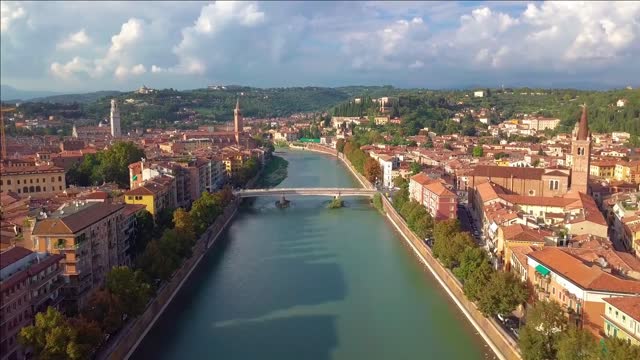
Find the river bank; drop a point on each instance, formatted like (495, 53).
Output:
(501, 343)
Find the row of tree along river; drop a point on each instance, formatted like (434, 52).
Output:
(308, 282)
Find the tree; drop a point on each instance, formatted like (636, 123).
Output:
(372, 170)
(415, 168)
(478, 151)
(115, 161)
(105, 309)
(183, 223)
(618, 349)
(143, 234)
(470, 260)
(577, 344)
(87, 337)
(49, 336)
(129, 288)
(545, 322)
(340, 145)
(205, 210)
(476, 282)
(502, 294)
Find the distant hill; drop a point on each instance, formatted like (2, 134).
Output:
(10, 94)
(77, 98)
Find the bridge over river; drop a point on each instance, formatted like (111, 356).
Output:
(305, 192)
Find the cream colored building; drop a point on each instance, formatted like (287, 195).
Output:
(32, 180)
(622, 318)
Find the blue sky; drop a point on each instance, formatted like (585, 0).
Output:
(82, 46)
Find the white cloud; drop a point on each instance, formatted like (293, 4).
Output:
(157, 69)
(74, 40)
(138, 69)
(68, 70)
(9, 12)
(213, 19)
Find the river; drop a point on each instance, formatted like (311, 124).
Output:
(311, 283)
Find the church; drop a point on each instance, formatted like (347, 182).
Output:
(539, 182)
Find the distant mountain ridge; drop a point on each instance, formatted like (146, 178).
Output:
(9, 93)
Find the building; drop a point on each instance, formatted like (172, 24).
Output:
(581, 155)
(29, 283)
(89, 236)
(114, 116)
(478, 94)
(156, 195)
(622, 319)
(388, 164)
(35, 181)
(580, 285)
(603, 169)
(541, 123)
(237, 122)
(628, 171)
(517, 235)
(440, 202)
(621, 102)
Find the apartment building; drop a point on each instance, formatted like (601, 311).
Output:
(622, 319)
(29, 283)
(34, 181)
(439, 201)
(582, 284)
(89, 235)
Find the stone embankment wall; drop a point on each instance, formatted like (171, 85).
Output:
(500, 342)
(134, 332)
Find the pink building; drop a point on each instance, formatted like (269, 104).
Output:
(439, 201)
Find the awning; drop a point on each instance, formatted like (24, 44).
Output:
(542, 270)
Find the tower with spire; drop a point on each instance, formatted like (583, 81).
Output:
(115, 119)
(237, 122)
(581, 154)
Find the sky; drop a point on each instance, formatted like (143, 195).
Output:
(89, 46)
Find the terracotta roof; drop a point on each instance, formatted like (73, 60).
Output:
(520, 252)
(421, 178)
(437, 188)
(628, 305)
(130, 209)
(587, 277)
(12, 255)
(538, 200)
(74, 222)
(31, 169)
(518, 232)
(556, 173)
(506, 172)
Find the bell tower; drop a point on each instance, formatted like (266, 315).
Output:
(237, 121)
(581, 154)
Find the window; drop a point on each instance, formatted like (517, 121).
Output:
(130, 197)
(38, 188)
(60, 187)
(53, 179)
(59, 178)
(30, 181)
(9, 181)
(44, 180)
(38, 181)
(138, 197)
(32, 189)
(554, 184)
(18, 181)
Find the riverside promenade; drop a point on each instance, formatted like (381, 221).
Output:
(498, 340)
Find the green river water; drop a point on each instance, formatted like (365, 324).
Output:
(311, 283)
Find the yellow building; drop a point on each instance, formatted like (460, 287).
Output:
(156, 195)
(233, 163)
(622, 318)
(629, 171)
(603, 169)
(32, 180)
